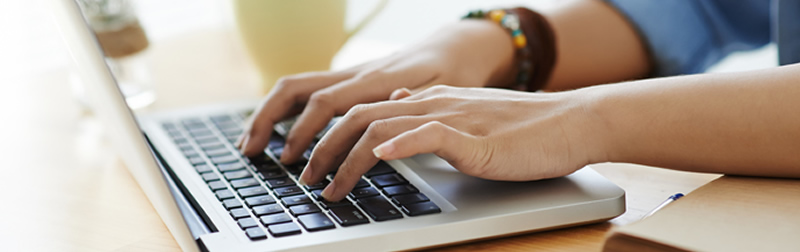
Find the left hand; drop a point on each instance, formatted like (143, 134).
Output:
(489, 133)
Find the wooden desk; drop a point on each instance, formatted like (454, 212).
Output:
(64, 189)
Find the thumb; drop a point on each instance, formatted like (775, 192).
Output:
(433, 137)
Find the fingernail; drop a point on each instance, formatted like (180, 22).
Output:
(384, 149)
(329, 190)
(306, 175)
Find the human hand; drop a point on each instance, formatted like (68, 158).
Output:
(489, 133)
(472, 53)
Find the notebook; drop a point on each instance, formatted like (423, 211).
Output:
(212, 198)
(728, 214)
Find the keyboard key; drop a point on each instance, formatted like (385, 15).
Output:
(261, 160)
(259, 200)
(232, 132)
(277, 152)
(238, 213)
(210, 176)
(190, 153)
(224, 159)
(242, 183)
(267, 209)
(296, 168)
(288, 191)
(317, 194)
(206, 139)
(218, 152)
(275, 219)
(327, 204)
(380, 168)
(224, 194)
(399, 189)
(217, 185)
(279, 182)
(361, 183)
(296, 200)
(379, 208)
(348, 215)
(304, 209)
(284, 229)
(388, 180)
(409, 198)
(246, 223)
(422, 208)
(315, 222)
(220, 118)
(230, 167)
(211, 146)
(322, 184)
(252, 191)
(255, 233)
(231, 175)
(231, 203)
(364, 192)
(203, 168)
(169, 126)
(272, 173)
(185, 147)
(195, 161)
(200, 133)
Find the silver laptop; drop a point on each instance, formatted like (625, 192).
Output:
(212, 198)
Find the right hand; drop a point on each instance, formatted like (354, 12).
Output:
(471, 53)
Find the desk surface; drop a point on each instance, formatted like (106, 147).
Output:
(64, 189)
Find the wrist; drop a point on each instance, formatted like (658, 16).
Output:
(598, 124)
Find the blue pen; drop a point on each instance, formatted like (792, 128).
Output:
(672, 198)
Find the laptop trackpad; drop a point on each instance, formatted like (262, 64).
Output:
(470, 193)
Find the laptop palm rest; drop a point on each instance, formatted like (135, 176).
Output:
(467, 193)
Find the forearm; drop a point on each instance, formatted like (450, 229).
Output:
(595, 45)
(736, 123)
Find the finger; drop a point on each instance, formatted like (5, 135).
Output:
(435, 137)
(360, 159)
(317, 114)
(370, 86)
(334, 147)
(287, 93)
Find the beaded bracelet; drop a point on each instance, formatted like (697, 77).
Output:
(530, 32)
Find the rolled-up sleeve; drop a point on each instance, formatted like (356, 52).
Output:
(686, 36)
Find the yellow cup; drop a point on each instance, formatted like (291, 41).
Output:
(292, 36)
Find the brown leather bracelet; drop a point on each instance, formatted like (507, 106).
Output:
(536, 60)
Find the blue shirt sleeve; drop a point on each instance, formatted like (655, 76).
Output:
(687, 36)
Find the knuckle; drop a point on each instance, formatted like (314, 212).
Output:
(377, 129)
(284, 83)
(371, 75)
(358, 112)
(321, 99)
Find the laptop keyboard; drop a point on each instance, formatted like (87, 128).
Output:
(263, 196)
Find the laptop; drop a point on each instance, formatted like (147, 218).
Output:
(212, 198)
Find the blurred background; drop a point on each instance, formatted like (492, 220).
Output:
(55, 151)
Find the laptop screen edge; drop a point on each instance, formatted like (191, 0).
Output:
(120, 124)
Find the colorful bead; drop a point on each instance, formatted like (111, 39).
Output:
(511, 22)
(497, 15)
(520, 41)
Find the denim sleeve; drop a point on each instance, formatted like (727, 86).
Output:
(687, 36)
